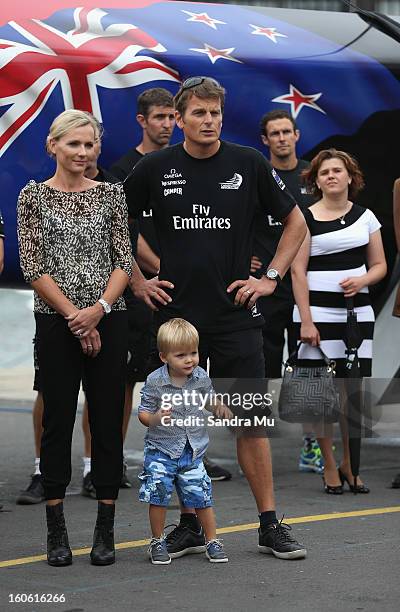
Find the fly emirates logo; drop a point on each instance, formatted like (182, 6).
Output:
(201, 219)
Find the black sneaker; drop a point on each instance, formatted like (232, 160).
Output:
(216, 472)
(276, 540)
(183, 541)
(88, 489)
(34, 494)
(125, 482)
(396, 482)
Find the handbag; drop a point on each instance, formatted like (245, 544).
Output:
(308, 393)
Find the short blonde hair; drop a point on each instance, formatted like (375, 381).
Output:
(177, 334)
(70, 120)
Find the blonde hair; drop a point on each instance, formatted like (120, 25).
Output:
(70, 120)
(177, 334)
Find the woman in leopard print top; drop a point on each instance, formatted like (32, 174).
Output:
(75, 252)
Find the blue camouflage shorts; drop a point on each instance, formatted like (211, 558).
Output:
(161, 474)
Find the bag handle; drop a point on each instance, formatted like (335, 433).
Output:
(295, 355)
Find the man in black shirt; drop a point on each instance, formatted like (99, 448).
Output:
(280, 134)
(204, 193)
(156, 116)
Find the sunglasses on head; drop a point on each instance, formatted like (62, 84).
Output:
(195, 81)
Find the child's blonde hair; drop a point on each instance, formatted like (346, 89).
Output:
(177, 334)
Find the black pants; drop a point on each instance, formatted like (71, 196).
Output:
(62, 365)
(278, 315)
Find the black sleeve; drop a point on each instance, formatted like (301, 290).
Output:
(273, 194)
(137, 189)
(119, 171)
(123, 166)
(2, 234)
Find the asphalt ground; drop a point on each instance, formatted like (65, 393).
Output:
(353, 542)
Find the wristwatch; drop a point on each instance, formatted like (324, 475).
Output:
(273, 274)
(105, 306)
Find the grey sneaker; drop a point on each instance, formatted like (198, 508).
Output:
(215, 552)
(158, 553)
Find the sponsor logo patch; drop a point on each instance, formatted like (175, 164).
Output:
(233, 183)
(278, 179)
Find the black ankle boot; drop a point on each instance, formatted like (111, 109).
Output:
(58, 550)
(103, 551)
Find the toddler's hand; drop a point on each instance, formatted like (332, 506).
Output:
(165, 416)
(222, 412)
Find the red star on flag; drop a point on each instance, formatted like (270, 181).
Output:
(298, 100)
(216, 54)
(270, 33)
(204, 18)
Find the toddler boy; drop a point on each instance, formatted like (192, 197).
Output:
(171, 406)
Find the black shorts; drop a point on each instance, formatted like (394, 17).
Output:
(278, 315)
(237, 368)
(140, 318)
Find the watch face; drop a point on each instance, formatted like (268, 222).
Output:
(106, 307)
(272, 274)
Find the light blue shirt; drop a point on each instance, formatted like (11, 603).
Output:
(185, 402)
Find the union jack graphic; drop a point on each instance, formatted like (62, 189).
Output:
(88, 56)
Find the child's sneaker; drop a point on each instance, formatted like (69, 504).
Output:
(158, 553)
(311, 459)
(215, 552)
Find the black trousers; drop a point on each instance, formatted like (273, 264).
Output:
(62, 365)
(278, 315)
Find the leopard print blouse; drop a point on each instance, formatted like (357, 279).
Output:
(78, 238)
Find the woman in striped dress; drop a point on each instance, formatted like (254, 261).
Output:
(341, 256)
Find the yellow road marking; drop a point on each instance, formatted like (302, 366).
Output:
(313, 518)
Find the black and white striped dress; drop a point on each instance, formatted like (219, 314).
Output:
(338, 251)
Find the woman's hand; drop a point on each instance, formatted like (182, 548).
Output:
(84, 321)
(352, 285)
(310, 334)
(91, 344)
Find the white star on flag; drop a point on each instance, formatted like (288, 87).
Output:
(204, 18)
(216, 54)
(298, 100)
(270, 33)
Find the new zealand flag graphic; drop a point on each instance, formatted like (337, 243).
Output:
(100, 59)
